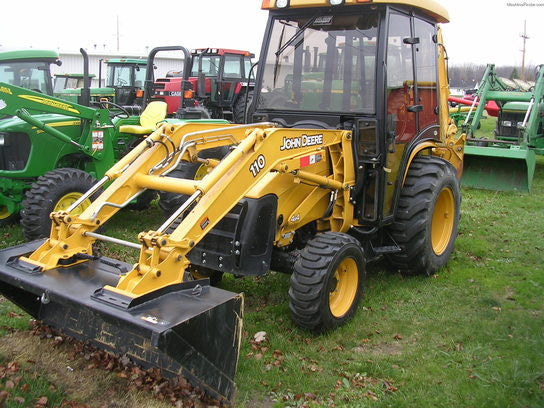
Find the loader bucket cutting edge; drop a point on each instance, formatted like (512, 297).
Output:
(501, 169)
(192, 329)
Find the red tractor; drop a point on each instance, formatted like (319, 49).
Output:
(220, 81)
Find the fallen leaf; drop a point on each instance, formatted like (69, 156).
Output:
(19, 400)
(397, 337)
(3, 396)
(10, 384)
(42, 402)
(259, 337)
(371, 395)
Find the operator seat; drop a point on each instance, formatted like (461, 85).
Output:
(152, 114)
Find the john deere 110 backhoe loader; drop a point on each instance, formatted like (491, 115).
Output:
(351, 156)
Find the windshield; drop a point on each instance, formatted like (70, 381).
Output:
(139, 77)
(119, 75)
(60, 84)
(321, 63)
(29, 75)
(210, 65)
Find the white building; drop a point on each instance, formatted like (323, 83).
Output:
(72, 63)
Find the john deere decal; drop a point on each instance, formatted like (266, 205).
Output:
(49, 102)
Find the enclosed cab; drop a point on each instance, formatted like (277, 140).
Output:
(127, 77)
(28, 69)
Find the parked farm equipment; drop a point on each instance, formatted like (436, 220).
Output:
(49, 158)
(219, 78)
(507, 160)
(347, 161)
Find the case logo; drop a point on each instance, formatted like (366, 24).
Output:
(301, 141)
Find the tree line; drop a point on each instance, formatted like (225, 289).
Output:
(467, 76)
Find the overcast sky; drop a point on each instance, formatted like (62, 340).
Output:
(480, 31)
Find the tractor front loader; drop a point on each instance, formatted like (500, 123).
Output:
(351, 157)
(507, 160)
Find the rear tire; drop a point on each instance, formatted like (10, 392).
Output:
(239, 108)
(55, 190)
(327, 282)
(427, 217)
(170, 202)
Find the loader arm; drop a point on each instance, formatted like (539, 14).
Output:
(261, 149)
(15, 98)
(16, 101)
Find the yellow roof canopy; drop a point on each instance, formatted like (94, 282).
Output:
(428, 7)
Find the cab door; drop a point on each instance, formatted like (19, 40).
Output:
(229, 77)
(400, 98)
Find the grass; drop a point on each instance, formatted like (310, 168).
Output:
(471, 336)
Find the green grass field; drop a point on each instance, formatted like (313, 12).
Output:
(470, 336)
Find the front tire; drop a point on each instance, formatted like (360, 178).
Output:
(54, 191)
(427, 217)
(327, 282)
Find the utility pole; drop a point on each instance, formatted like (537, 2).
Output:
(118, 35)
(525, 38)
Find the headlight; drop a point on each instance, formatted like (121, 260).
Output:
(282, 3)
(336, 2)
(2, 139)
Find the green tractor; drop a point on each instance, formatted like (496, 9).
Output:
(49, 157)
(126, 78)
(506, 161)
(124, 83)
(68, 87)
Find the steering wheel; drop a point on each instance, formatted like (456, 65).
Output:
(121, 82)
(104, 105)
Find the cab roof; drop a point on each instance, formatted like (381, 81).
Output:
(139, 61)
(29, 54)
(220, 51)
(429, 7)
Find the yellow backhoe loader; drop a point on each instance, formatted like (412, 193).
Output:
(349, 156)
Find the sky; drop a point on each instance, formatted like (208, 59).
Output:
(480, 31)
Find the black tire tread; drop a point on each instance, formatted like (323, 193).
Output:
(414, 209)
(238, 110)
(39, 199)
(309, 277)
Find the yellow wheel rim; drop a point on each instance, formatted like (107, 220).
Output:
(343, 293)
(68, 199)
(4, 212)
(443, 218)
(201, 172)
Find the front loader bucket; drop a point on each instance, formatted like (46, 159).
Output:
(190, 329)
(495, 168)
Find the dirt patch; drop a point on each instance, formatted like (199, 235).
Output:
(71, 374)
